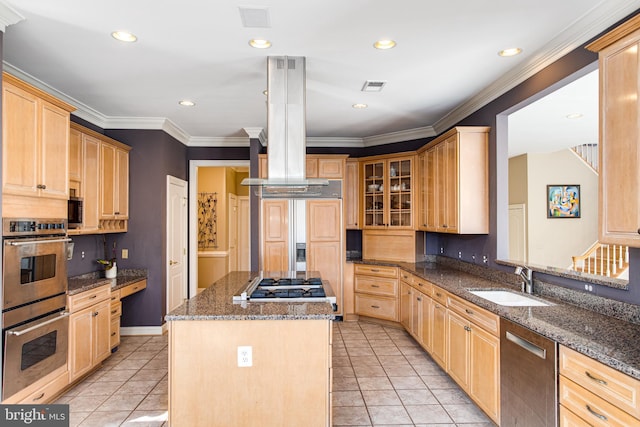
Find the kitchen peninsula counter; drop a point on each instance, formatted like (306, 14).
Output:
(602, 337)
(244, 363)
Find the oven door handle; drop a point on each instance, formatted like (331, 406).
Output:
(35, 242)
(39, 325)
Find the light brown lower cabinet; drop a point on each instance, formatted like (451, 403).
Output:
(291, 364)
(89, 330)
(591, 393)
(376, 292)
(439, 328)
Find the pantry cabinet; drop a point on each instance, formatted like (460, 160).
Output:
(351, 195)
(114, 174)
(89, 330)
(455, 182)
(619, 142)
(35, 151)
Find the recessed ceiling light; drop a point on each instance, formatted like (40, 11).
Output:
(512, 51)
(359, 106)
(187, 103)
(260, 43)
(124, 36)
(574, 116)
(384, 44)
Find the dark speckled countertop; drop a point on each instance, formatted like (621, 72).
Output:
(92, 280)
(614, 342)
(216, 303)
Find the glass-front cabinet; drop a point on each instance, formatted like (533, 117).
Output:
(388, 192)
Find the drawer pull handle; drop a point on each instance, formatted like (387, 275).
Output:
(468, 311)
(419, 299)
(93, 296)
(466, 328)
(598, 380)
(438, 294)
(374, 270)
(595, 414)
(113, 334)
(375, 286)
(375, 306)
(420, 284)
(39, 397)
(114, 311)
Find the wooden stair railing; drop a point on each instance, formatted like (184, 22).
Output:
(603, 260)
(588, 153)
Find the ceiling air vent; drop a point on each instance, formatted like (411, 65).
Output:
(373, 85)
(255, 17)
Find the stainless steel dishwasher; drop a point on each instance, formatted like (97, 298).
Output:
(528, 386)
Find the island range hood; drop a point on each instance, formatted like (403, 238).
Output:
(286, 135)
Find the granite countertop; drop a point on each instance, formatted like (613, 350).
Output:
(216, 303)
(613, 342)
(85, 282)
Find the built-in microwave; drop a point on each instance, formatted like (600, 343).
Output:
(74, 219)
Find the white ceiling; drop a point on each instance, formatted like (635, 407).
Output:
(444, 67)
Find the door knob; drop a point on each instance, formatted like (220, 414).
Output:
(172, 262)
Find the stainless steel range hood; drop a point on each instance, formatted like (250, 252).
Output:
(286, 134)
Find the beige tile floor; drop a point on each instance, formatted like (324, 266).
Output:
(381, 377)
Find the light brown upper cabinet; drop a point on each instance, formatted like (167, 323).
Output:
(351, 196)
(619, 151)
(275, 232)
(104, 181)
(387, 188)
(35, 151)
(317, 166)
(454, 180)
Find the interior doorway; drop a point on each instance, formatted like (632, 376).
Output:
(176, 255)
(212, 246)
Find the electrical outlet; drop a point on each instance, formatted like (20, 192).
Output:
(441, 250)
(125, 253)
(82, 254)
(245, 356)
(485, 259)
(460, 254)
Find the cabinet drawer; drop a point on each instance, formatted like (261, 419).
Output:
(88, 298)
(423, 286)
(439, 295)
(591, 408)
(378, 307)
(407, 277)
(116, 310)
(486, 320)
(615, 387)
(133, 288)
(114, 333)
(569, 419)
(377, 270)
(377, 286)
(115, 295)
(43, 390)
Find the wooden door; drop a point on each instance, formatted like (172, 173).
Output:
(244, 234)
(484, 371)
(80, 344)
(107, 181)
(101, 318)
(416, 314)
(122, 184)
(399, 189)
(458, 349)
(331, 168)
(54, 151)
(374, 189)
(91, 183)
(351, 195)
(275, 235)
(176, 250)
(439, 336)
(324, 242)
(619, 151)
(450, 208)
(20, 145)
(431, 193)
(426, 319)
(406, 306)
(76, 163)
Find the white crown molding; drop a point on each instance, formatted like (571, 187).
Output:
(225, 141)
(584, 28)
(253, 132)
(314, 141)
(400, 136)
(8, 16)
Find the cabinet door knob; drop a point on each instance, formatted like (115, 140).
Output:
(95, 314)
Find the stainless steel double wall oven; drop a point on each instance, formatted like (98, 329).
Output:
(34, 299)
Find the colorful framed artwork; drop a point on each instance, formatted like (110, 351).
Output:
(563, 201)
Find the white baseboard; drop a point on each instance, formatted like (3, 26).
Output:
(142, 330)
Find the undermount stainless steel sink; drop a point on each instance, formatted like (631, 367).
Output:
(508, 298)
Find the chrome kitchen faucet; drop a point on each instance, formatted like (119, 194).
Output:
(527, 279)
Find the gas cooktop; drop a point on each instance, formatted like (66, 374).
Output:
(288, 287)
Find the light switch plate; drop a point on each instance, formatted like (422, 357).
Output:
(125, 253)
(245, 357)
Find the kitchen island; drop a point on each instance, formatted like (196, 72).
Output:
(249, 363)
